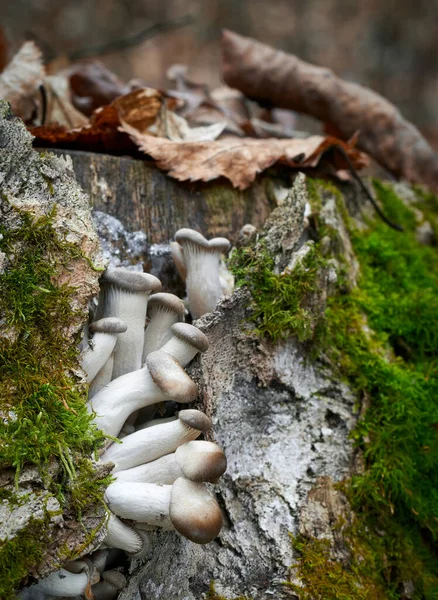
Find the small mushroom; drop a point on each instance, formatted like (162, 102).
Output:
(125, 294)
(102, 379)
(61, 583)
(194, 512)
(186, 506)
(109, 588)
(151, 443)
(160, 379)
(202, 258)
(119, 535)
(196, 460)
(185, 343)
(163, 311)
(102, 344)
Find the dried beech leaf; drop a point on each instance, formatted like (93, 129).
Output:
(239, 160)
(59, 107)
(285, 81)
(93, 85)
(21, 79)
(140, 108)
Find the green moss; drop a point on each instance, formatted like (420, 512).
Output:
(212, 595)
(280, 299)
(19, 555)
(391, 363)
(381, 337)
(45, 407)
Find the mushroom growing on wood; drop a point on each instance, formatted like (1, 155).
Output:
(110, 586)
(151, 443)
(202, 259)
(195, 460)
(124, 294)
(185, 506)
(163, 311)
(97, 353)
(61, 583)
(119, 535)
(185, 343)
(161, 378)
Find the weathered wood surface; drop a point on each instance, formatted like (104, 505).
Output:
(143, 197)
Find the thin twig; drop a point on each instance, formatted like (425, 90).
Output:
(132, 40)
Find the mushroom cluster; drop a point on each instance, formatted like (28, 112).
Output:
(161, 470)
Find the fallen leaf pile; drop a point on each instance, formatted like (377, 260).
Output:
(193, 133)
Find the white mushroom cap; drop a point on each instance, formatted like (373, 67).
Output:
(104, 339)
(201, 258)
(151, 443)
(163, 311)
(194, 512)
(125, 295)
(185, 343)
(145, 502)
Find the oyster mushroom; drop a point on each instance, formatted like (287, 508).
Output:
(124, 294)
(95, 356)
(202, 259)
(185, 506)
(151, 443)
(195, 460)
(185, 343)
(161, 378)
(163, 311)
(110, 586)
(119, 535)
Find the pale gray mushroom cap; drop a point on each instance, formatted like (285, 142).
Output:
(191, 335)
(194, 512)
(178, 258)
(131, 281)
(201, 461)
(109, 325)
(170, 377)
(115, 578)
(186, 237)
(109, 588)
(165, 302)
(195, 419)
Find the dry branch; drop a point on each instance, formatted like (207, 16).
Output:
(265, 74)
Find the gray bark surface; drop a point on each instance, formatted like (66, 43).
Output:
(283, 422)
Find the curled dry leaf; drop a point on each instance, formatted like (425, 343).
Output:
(21, 79)
(237, 159)
(285, 81)
(93, 85)
(59, 107)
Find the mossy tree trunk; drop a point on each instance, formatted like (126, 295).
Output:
(298, 353)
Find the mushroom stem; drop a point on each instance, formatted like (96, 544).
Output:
(163, 311)
(145, 502)
(122, 536)
(102, 379)
(151, 443)
(104, 339)
(125, 295)
(161, 378)
(194, 460)
(62, 583)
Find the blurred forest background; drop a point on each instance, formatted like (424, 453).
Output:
(390, 45)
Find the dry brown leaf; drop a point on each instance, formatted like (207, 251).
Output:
(21, 79)
(239, 160)
(59, 107)
(285, 81)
